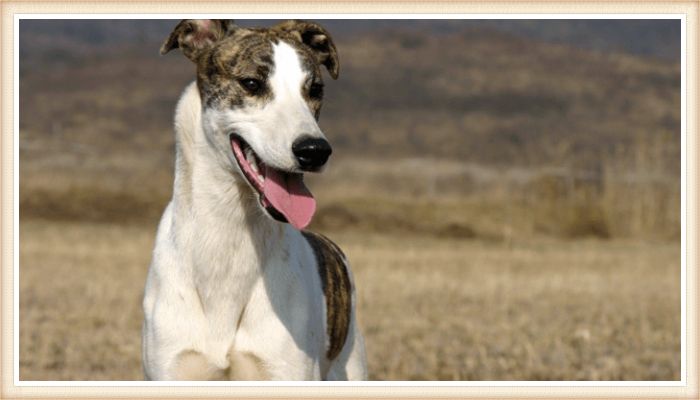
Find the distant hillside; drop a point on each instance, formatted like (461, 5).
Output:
(470, 93)
(653, 38)
(485, 132)
(493, 98)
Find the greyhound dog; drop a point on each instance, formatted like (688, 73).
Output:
(237, 290)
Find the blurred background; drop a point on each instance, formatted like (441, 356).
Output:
(508, 192)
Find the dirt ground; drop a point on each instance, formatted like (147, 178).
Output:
(431, 308)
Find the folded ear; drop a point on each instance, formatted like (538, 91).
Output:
(194, 35)
(317, 39)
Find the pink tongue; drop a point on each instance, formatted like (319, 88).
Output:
(288, 194)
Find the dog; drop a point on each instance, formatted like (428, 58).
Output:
(236, 289)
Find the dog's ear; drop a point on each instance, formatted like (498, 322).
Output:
(194, 35)
(317, 39)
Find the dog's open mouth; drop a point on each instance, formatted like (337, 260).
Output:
(282, 194)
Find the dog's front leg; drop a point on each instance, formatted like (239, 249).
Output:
(246, 366)
(191, 365)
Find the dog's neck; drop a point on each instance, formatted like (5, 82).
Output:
(213, 201)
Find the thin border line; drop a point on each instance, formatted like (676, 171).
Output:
(547, 16)
(684, 202)
(15, 188)
(373, 16)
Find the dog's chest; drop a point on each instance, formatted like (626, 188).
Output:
(213, 266)
(283, 323)
(247, 283)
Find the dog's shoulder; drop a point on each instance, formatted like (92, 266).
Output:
(337, 288)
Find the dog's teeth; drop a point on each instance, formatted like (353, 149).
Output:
(254, 163)
(250, 157)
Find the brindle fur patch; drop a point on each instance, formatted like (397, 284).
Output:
(230, 54)
(248, 53)
(240, 56)
(335, 281)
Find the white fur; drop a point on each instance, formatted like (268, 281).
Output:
(225, 277)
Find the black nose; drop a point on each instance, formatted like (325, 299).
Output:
(311, 153)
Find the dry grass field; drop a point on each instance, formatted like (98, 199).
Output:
(431, 309)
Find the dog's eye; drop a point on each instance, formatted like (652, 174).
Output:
(253, 86)
(316, 91)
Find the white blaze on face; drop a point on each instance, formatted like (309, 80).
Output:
(286, 83)
(288, 76)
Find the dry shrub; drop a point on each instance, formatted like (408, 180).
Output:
(586, 220)
(566, 208)
(634, 193)
(92, 203)
(642, 190)
(390, 216)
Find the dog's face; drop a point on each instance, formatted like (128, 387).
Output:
(261, 92)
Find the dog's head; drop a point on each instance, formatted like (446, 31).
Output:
(261, 92)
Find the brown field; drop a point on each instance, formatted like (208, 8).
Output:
(431, 309)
